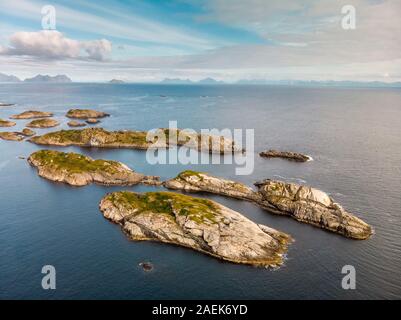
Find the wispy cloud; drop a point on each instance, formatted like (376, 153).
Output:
(117, 25)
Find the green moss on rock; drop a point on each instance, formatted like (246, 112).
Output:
(196, 209)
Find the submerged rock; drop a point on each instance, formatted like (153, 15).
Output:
(43, 123)
(146, 266)
(11, 136)
(85, 114)
(101, 138)
(302, 203)
(299, 157)
(31, 114)
(6, 123)
(74, 123)
(4, 104)
(199, 224)
(79, 170)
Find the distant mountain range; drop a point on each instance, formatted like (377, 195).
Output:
(312, 83)
(39, 78)
(4, 78)
(7, 78)
(45, 78)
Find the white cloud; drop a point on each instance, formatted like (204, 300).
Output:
(48, 44)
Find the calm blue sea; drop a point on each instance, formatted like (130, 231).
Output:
(354, 136)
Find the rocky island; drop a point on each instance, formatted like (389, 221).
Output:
(294, 156)
(11, 136)
(85, 114)
(79, 170)
(92, 121)
(75, 124)
(28, 132)
(6, 123)
(199, 224)
(43, 123)
(305, 204)
(31, 114)
(101, 138)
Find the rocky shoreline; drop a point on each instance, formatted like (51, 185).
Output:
(200, 224)
(304, 204)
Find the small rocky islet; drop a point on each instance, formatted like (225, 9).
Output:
(32, 114)
(292, 156)
(6, 123)
(43, 123)
(12, 136)
(303, 203)
(76, 124)
(79, 170)
(200, 224)
(86, 114)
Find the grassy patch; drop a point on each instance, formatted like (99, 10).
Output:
(73, 162)
(190, 173)
(198, 210)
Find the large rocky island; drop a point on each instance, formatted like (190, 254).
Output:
(303, 203)
(199, 224)
(101, 138)
(79, 170)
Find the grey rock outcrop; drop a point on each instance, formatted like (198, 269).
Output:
(199, 224)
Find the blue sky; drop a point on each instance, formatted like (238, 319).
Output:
(224, 39)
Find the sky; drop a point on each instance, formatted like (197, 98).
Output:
(229, 40)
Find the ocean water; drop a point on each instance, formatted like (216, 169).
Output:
(353, 135)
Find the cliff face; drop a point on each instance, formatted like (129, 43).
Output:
(79, 170)
(200, 224)
(98, 137)
(302, 203)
